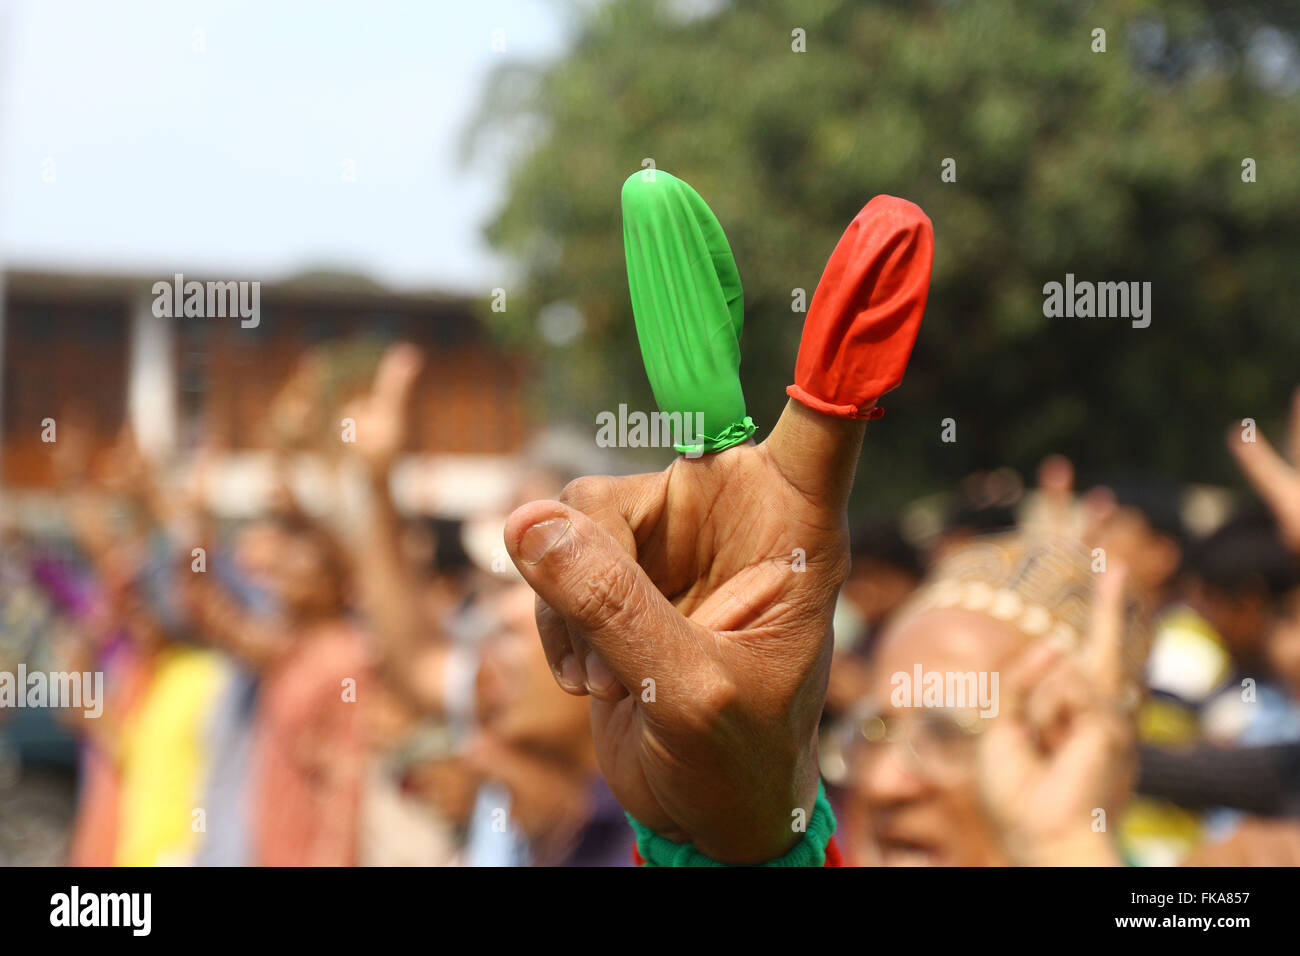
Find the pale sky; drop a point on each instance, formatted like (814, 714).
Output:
(217, 137)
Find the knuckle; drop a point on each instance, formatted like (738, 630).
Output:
(582, 492)
(719, 698)
(608, 597)
(715, 705)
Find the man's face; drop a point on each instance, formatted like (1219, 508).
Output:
(914, 800)
(304, 580)
(518, 696)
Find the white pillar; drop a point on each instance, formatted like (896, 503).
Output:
(151, 380)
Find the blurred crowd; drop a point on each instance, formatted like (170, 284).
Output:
(1208, 676)
(305, 688)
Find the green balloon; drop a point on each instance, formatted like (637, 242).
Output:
(689, 310)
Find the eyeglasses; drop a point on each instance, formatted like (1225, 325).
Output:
(940, 742)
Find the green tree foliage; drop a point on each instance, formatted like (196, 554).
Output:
(1117, 166)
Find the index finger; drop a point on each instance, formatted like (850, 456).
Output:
(620, 505)
(1265, 469)
(1104, 654)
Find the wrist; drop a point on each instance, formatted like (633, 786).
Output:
(800, 840)
(753, 839)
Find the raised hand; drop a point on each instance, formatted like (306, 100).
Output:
(1276, 480)
(1064, 745)
(382, 417)
(694, 606)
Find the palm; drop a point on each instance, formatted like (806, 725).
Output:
(723, 533)
(1046, 796)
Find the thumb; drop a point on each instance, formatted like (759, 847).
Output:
(587, 578)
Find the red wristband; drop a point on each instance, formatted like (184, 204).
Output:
(867, 309)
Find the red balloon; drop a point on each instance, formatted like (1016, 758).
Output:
(866, 312)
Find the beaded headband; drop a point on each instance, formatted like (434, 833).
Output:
(1040, 585)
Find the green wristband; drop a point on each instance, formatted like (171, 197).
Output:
(810, 851)
(689, 310)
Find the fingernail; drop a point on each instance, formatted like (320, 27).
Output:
(538, 540)
(570, 674)
(600, 678)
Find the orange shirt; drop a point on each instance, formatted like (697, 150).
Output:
(310, 753)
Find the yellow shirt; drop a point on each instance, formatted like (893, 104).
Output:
(165, 759)
(1189, 661)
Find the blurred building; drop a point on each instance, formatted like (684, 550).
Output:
(90, 346)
